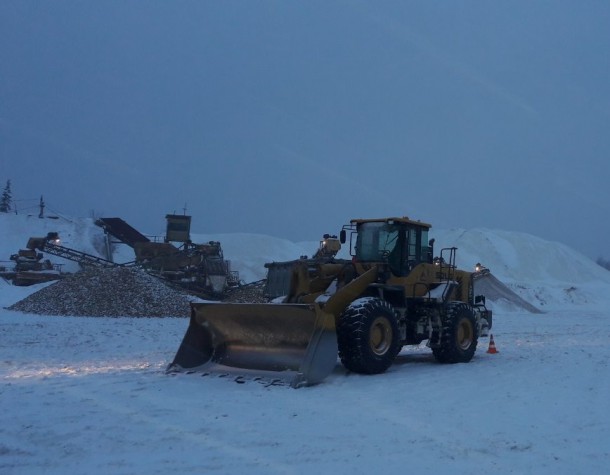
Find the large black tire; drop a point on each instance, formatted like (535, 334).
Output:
(459, 338)
(368, 336)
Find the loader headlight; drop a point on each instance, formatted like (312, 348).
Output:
(480, 268)
(53, 238)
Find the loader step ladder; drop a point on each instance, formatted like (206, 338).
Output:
(447, 265)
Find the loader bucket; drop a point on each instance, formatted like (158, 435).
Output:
(298, 339)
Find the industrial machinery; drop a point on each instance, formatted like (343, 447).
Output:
(480, 270)
(51, 244)
(198, 268)
(279, 274)
(31, 268)
(393, 293)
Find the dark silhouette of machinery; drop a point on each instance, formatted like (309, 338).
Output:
(198, 268)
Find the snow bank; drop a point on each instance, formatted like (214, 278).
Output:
(549, 275)
(520, 257)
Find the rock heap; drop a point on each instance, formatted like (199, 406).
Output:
(114, 292)
(248, 293)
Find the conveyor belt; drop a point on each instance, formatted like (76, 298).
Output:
(122, 231)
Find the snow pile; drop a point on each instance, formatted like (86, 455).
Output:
(115, 292)
(520, 257)
(549, 275)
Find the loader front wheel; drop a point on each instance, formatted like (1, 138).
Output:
(458, 339)
(368, 337)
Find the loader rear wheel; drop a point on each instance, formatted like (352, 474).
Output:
(368, 337)
(458, 339)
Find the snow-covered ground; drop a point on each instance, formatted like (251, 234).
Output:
(84, 395)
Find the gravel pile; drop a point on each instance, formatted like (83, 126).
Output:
(249, 293)
(111, 292)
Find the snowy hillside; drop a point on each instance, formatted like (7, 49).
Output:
(520, 257)
(548, 274)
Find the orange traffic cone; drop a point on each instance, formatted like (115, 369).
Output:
(492, 346)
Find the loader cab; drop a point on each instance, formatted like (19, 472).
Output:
(401, 242)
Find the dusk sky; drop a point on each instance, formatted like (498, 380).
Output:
(289, 118)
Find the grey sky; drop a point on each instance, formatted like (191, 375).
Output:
(290, 118)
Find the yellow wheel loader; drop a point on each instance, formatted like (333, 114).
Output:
(393, 292)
